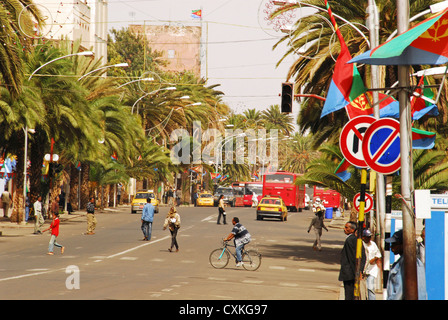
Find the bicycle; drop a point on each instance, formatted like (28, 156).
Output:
(219, 258)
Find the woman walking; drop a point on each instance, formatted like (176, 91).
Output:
(221, 210)
(172, 221)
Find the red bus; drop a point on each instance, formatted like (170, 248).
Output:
(244, 192)
(330, 198)
(282, 183)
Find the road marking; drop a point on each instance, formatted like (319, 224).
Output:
(208, 218)
(285, 284)
(217, 279)
(30, 275)
(143, 245)
(253, 281)
(277, 268)
(307, 270)
(129, 258)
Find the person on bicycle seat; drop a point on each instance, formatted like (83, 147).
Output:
(241, 237)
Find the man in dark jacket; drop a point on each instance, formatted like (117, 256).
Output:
(347, 274)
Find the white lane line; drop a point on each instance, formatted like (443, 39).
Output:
(142, 245)
(30, 275)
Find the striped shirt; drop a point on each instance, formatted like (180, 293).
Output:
(242, 236)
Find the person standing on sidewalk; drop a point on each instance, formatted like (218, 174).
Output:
(172, 221)
(147, 219)
(38, 216)
(318, 224)
(91, 219)
(347, 273)
(373, 259)
(54, 234)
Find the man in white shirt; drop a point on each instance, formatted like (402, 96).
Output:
(373, 256)
(38, 217)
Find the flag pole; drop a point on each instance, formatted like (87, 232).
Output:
(409, 249)
(359, 230)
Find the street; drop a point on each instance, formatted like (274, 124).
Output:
(116, 264)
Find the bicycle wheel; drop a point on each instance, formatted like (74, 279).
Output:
(251, 260)
(219, 258)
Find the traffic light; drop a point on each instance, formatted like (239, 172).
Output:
(287, 97)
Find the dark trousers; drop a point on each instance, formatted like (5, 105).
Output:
(173, 238)
(223, 214)
(349, 289)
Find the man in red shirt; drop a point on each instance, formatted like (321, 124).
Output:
(54, 234)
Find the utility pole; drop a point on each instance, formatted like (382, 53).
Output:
(409, 248)
(373, 25)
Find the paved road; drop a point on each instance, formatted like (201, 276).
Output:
(115, 264)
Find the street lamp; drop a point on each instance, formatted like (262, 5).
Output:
(144, 79)
(147, 94)
(118, 65)
(83, 53)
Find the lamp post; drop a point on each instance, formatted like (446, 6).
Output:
(118, 65)
(144, 79)
(147, 94)
(84, 53)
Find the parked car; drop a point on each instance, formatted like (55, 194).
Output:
(205, 199)
(140, 200)
(228, 193)
(272, 207)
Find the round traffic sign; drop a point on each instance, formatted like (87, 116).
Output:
(381, 146)
(368, 202)
(351, 138)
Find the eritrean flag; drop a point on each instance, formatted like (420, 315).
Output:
(363, 106)
(420, 102)
(342, 170)
(425, 43)
(422, 139)
(196, 14)
(346, 84)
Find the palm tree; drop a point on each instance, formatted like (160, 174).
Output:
(273, 118)
(299, 153)
(313, 39)
(14, 39)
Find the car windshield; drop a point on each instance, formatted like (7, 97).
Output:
(270, 201)
(225, 191)
(206, 195)
(144, 195)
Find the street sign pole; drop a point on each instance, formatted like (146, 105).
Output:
(409, 248)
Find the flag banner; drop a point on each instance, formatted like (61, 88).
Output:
(196, 14)
(423, 139)
(363, 106)
(346, 84)
(420, 106)
(342, 172)
(425, 43)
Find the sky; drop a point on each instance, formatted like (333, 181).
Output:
(239, 53)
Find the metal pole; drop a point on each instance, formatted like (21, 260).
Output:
(359, 246)
(24, 175)
(373, 24)
(409, 249)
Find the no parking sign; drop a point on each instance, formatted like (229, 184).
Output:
(381, 146)
(351, 140)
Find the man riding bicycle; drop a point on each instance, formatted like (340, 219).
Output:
(241, 237)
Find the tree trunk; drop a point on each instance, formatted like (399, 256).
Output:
(74, 185)
(85, 191)
(18, 212)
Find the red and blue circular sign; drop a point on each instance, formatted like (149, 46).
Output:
(381, 146)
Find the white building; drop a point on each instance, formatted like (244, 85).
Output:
(84, 20)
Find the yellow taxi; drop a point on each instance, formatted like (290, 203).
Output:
(205, 199)
(140, 200)
(272, 207)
